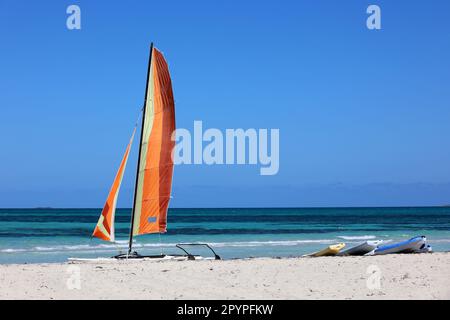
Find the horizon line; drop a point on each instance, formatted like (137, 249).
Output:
(279, 207)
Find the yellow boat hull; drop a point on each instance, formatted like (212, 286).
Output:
(328, 251)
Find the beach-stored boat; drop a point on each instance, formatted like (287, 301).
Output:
(361, 249)
(152, 189)
(328, 251)
(413, 245)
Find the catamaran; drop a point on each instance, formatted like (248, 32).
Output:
(152, 189)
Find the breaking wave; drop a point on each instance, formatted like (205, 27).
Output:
(365, 237)
(124, 244)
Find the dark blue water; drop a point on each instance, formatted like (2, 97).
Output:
(50, 235)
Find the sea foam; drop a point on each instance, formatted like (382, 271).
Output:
(366, 237)
(124, 245)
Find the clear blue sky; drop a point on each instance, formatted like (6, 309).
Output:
(364, 116)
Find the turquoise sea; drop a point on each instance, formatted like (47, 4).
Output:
(53, 235)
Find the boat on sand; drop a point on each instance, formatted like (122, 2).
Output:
(361, 249)
(328, 251)
(413, 245)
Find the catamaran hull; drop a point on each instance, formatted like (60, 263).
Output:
(134, 256)
(141, 259)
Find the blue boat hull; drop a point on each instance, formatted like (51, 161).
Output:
(413, 245)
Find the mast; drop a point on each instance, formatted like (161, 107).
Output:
(130, 243)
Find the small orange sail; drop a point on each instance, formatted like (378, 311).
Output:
(105, 225)
(154, 180)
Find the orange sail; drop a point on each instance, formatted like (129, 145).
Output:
(154, 179)
(105, 225)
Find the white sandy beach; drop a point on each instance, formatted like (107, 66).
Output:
(413, 276)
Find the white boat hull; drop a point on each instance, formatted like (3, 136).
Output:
(131, 260)
(361, 249)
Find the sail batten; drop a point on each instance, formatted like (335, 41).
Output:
(105, 226)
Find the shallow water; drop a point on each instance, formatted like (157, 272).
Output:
(53, 235)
